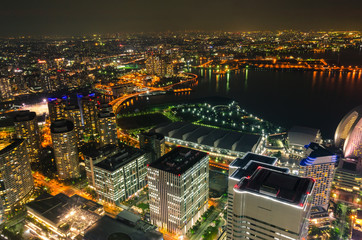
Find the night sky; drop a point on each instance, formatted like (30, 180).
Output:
(68, 17)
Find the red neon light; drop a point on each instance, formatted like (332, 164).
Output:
(301, 204)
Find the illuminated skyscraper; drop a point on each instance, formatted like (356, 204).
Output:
(153, 144)
(26, 127)
(56, 109)
(72, 113)
(15, 174)
(107, 128)
(319, 165)
(240, 168)
(89, 110)
(178, 189)
(65, 149)
(270, 204)
(121, 175)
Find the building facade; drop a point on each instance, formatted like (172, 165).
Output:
(153, 144)
(121, 175)
(320, 166)
(93, 155)
(178, 189)
(89, 111)
(56, 109)
(26, 127)
(270, 204)
(15, 174)
(72, 113)
(107, 128)
(65, 149)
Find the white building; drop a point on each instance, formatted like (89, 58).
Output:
(120, 176)
(267, 202)
(178, 189)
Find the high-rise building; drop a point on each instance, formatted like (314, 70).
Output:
(270, 204)
(178, 189)
(241, 167)
(15, 174)
(65, 149)
(56, 109)
(93, 155)
(153, 144)
(26, 127)
(121, 175)
(72, 113)
(158, 64)
(348, 179)
(89, 111)
(5, 89)
(319, 165)
(107, 128)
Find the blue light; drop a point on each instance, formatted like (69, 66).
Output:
(52, 99)
(64, 97)
(91, 94)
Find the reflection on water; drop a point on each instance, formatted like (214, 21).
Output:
(287, 98)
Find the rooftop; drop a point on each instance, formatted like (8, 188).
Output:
(281, 186)
(316, 153)
(8, 145)
(90, 150)
(179, 160)
(157, 136)
(22, 116)
(125, 155)
(108, 228)
(249, 169)
(61, 126)
(302, 135)
(241, 162)
(212, 137)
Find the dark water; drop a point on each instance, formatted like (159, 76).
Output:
(312, 98)
(286, 98)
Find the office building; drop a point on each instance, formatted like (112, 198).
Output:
(72, 113)
(93, 155)
(178, 189)
(270, 204)
(65, 149)
(15, 174)
(348, 134)
(153, 144)
(121, 175)
(319, 165)
(26, 127)
(241, 167)
(107, 128)
(56, 109)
